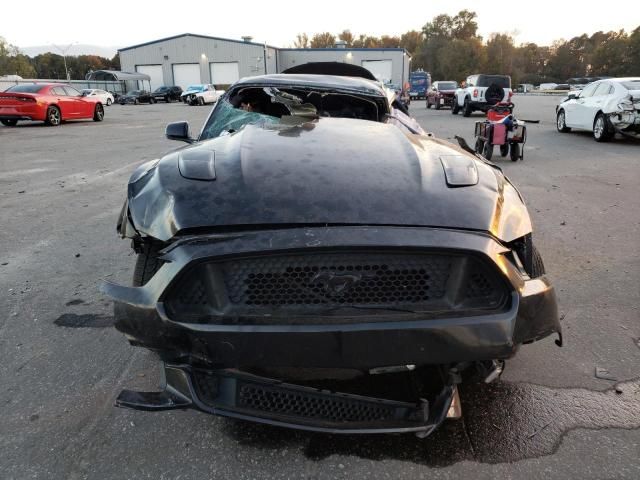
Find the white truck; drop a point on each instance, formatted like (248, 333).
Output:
(480, 92)
(201, 94)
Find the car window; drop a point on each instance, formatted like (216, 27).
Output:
(58, 91)
(589, 90)
(25, 88)
(603, 89)
(446, 86)
(71, 92)
(502, 81)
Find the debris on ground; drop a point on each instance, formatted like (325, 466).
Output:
(604, 374)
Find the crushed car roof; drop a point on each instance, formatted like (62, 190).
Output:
(320, 81)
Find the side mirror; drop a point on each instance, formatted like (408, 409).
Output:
(178, 131)
(574, 95)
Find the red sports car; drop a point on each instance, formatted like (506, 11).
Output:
(52, 103)
(441, 94)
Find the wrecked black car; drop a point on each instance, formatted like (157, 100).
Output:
(314, 260)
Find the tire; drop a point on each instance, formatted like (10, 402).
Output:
(135, 101)
(515, 152)
(601, 130)
(200, 101)
(504, 149)
(53, 117)
(487, 151)
(466, 108)
(561, 123)
(479, 146)
(454, 106)
(147, 263)
(537, 265)
(98, 113)
(109, 102)
(9, 123)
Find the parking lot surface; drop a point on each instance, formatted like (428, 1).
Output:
(62, 363)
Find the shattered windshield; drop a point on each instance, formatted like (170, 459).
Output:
(195, 88)
(228, 119)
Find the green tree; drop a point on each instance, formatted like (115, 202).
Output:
(12, 62)
(411, 41)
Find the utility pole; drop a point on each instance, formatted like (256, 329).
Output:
(64, 57)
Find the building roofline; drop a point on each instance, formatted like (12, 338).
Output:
(347, 49)
(194, 35)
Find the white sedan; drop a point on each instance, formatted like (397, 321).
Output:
(103, 95)
(603, 108)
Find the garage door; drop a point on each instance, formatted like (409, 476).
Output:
(381, 69)
(185, 74)
(155, 72)
(224, 73)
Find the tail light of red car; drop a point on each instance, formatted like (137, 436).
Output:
(26, 99)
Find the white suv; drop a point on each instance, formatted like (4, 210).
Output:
(481, 92)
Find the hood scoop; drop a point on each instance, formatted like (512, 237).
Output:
(197, 164)
(459, 170)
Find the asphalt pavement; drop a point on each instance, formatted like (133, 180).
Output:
(62, 363)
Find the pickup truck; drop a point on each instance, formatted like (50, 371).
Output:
(201, 94)
(480, 92)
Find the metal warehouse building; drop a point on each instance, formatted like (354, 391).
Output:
(191, 59)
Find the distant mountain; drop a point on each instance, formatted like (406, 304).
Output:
(79, 49)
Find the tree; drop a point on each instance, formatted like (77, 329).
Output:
(302, 41)
(323, 40)
(500, 52)
(411, 41)
(347, 37)
(12, 62)
(633, 53)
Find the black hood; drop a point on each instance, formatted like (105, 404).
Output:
(329, 171)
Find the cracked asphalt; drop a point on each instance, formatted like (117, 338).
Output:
(62, 364)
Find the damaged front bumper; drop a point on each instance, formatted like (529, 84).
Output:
(223, 331)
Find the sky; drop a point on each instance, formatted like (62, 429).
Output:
(278, 23)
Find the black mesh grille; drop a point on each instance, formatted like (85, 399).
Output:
(308, 405)
(336, 279)
(194, 295)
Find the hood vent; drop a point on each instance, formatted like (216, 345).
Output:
(459, 170)
(197, 164)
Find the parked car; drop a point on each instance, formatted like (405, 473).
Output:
(313, 246)
(167, 94)
(135, 97)
(52, 103)
(201, 94)
(603, 108)
(441, 94)
(481, 92)
(105, 97)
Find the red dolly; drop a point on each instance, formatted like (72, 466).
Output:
(503, 129)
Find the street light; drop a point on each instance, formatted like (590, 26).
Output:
(64, 56)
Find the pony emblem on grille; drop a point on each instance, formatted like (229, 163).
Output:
(336, 283)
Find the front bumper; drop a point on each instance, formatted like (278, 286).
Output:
(245, 396)
(358, 341)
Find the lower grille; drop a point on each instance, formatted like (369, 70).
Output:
(263, 397)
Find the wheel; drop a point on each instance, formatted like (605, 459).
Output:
(135, 101)
(561, 123)
(9, 123)
(479, 146)
(466, 108)
(53, 117)
(200, 101)
(504, 149)
(601, 129)
(109, 102)
(166, 99)
(147, 263)
(515, 152)
(537, 265)
(454, 106)
(487, 151)
(98, 113)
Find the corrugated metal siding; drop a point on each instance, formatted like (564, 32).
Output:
(190, 49)
(250, 57)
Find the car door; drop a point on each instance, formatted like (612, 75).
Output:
(579, 113)
(595, 103)
(64, 102)
(78, 107)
